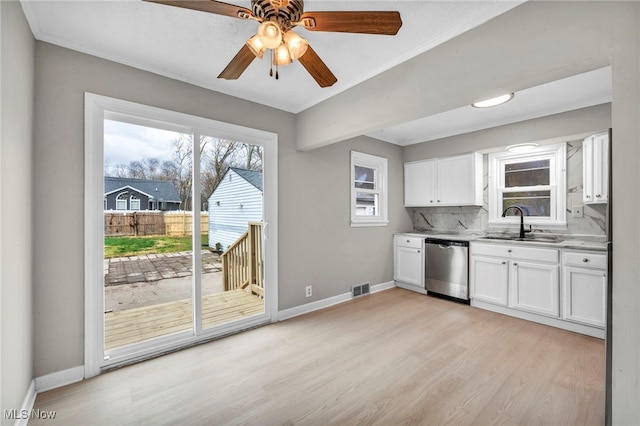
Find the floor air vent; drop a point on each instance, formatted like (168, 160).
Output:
(360, 290)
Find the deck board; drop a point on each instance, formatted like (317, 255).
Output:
(139, 324)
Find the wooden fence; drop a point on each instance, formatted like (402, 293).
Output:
(139, 223)
(178, 224)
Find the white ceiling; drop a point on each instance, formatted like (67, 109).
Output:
(571, 93)
(195, 47)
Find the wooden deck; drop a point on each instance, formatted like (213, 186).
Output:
(135, 325)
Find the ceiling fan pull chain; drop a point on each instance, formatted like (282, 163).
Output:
(277, 75)
(271, 64)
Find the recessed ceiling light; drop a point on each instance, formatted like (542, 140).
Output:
(493, 101)
(522, 147)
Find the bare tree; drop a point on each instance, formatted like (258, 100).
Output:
(253, 156)
(216, 157)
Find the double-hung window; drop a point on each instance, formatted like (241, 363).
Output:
(534, 181)
(121, 201)
(368, 190)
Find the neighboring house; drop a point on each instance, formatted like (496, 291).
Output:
(236, 201)
(140, 194)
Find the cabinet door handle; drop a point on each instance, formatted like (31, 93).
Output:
(588, 196)
(504, 263)
(508, 250)
(431, 201)
(598, 195)
(585, 260)
(418, 251)
(408, 241)
(515, 264)
(438, 200)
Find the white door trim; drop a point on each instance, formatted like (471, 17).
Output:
(97, 108)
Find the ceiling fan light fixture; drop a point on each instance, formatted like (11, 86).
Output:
(498, 100)
(270, 34)
(282, 56)
(256, 46)
(297, 45)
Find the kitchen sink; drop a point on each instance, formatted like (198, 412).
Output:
(528, 239)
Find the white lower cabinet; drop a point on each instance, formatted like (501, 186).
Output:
(516, 277)
(489, 279)
(533, 283)
(535, 287)
(584, 288)
(409, 261)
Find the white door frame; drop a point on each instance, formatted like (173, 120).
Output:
(97, 108)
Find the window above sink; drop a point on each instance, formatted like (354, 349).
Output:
(534, 181)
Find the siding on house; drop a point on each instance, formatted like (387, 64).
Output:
(153, 194)
(235, 202)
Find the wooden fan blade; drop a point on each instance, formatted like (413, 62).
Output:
(211, 6)
(385, 23)
(318, 70)
(238, 64)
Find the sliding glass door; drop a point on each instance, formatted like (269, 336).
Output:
(183, 254)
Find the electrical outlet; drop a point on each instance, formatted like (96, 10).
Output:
(577, 211)
(308, 291)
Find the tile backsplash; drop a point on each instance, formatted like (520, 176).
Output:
(475, 219)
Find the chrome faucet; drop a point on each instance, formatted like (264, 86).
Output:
(522, 231)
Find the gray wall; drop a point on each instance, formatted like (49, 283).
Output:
(313, 196)
(535, 43)
(319, 247)
(16, 118)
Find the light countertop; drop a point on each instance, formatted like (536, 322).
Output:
(578, 242)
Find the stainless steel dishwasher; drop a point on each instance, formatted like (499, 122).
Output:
(446, 268)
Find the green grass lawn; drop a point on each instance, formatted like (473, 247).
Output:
(132, 246)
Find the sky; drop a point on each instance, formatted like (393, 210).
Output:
(125, 142)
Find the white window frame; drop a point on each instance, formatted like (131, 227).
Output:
(557, 154)
(380, 165)
(134, 203)
(121, 203)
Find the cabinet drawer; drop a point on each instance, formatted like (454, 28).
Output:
(516, 252)
(408, 241)
(583, 259)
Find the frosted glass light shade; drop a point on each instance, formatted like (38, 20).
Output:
(281, 56)
(297, 45)
(270, 34)
(256, 46)
(498, 100)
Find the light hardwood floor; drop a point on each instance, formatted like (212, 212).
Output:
(394, 357)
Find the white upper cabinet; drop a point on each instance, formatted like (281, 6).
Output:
(448, 181)
(595, 168)
(419, 179)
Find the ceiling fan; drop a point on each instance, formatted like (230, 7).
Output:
(275, 33)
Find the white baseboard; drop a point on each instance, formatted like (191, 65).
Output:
(325, 303)
(541, 319)
(59, 379)
(27, 405)
(383, 286)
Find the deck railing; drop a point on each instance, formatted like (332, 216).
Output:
(242, 263)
